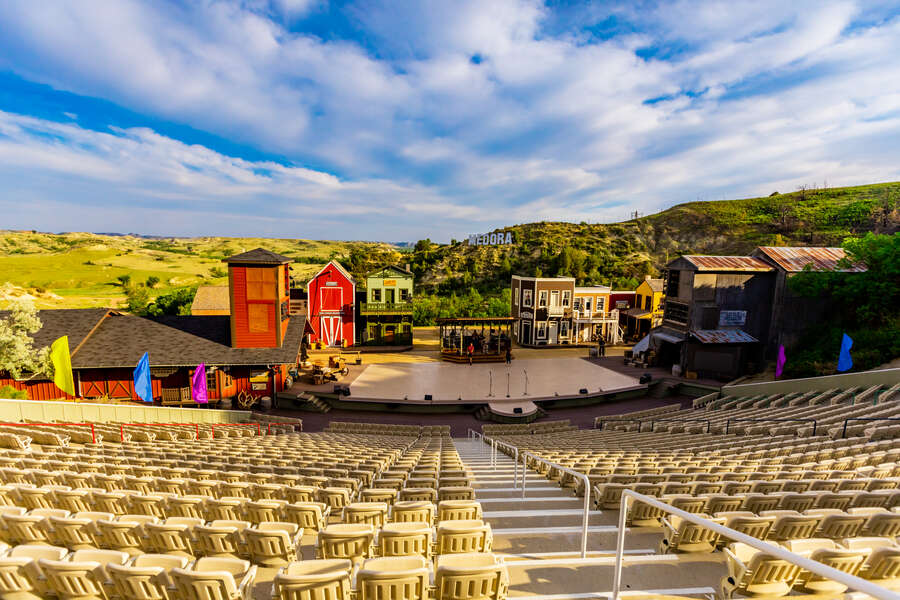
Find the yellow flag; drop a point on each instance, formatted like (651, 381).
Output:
(62, 365)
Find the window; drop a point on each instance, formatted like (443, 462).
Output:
(577, 304)
(647, 302)
(260, 283)
(601, 304)
(210, 381)
(587, 305)
(404, 295)
(676, 311)
(526, 298)
(376, 295)
(542, 299)
(563, 329)
(566, 298)
(672, 279)
(516, 329)
(554, 298)
(258, 318)
(542, 330)
(515, 296)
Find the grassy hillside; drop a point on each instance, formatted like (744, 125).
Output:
(78, 269)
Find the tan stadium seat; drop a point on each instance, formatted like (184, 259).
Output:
(21, 577)
(644, 515)
(312, 516)
(760, 503)
(76, 500)
(412, 494)
(393, 577)
(273, 544)
(456, 510)
(153, 505)
(147, 577)
(687, 503)
(386, 495)
(716, 503)
(77, 531)
(747, 523)
(372, 513)
(791, 525)
(882, 566)
(756, 574)
(227, 509)
(186, 506)
(335, 498)
(84, 575)
(215, 579)
(683, 536)
(174, 536)
(477, 576)
(463, 536)
(455, 493)
(353, 541)
(879, 522)
(32, 527)
(300, 493)
(111, 502)
(221, 538)
(264, 511)
(413, 511)
(826, 552)
(608, 496)
(124, 534)
(405, 539)
(322, 579)
(836, 524)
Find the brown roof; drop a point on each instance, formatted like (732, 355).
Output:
(212, 297)
(77, 323)
(655, 284)
(727, 263)
(793, 260)
(121, 340)
(259, 256)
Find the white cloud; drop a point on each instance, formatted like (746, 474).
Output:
(470, 110)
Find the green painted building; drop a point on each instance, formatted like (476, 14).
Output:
(386, 313)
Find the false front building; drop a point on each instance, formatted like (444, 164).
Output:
(248, 350)
(331, 302)
(385, 314)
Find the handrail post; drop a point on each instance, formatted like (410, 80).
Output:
(93, 435)
(620, 547)
(524, 469)
(727, 426)
(122, 433)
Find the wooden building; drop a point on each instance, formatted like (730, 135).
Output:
(648, 308)
(542, 309)
(592, 318)
(331, 307)
(250, 350)
(385, 312)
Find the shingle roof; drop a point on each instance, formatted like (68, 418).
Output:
(728, 263)
(793, 260)
(121, 340)
(259, 256)
(76, 323)
(655, 284)
(211, 297)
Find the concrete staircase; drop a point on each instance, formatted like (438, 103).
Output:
(539, 537)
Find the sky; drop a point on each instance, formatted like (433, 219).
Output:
(408, 119)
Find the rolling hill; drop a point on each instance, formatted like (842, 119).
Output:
(81, 269)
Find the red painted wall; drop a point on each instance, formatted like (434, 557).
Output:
(243, 337)
(37, 390)
(326, 302)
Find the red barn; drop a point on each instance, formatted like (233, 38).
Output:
(331, 304)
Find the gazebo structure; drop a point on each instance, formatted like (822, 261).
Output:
(489, 337)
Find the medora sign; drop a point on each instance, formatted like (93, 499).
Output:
(490, 239)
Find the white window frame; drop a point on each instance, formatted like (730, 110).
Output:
(566, 298)
(516, 296)
(541, 327)
(526, 298)
(601, 304)
(542, 299)
(564, 328)
(554, 298)
(587, 304)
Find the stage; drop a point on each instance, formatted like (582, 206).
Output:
(547, 378)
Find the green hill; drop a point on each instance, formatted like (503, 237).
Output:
(80, 269)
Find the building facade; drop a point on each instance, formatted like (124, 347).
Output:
(592, 318)
(542, 307)
(647, 312)
(331, 307)
(385, 313)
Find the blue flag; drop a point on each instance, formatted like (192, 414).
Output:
(845, 361)
(142, 385)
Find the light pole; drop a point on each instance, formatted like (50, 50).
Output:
(491, 389)
(526, 381)
(507, 383)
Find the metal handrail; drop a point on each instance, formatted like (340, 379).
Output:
(599, 424)
(844, 431)
(730, 421)
(654, 421)
(515, 460)
(587, 491)
(851, 581)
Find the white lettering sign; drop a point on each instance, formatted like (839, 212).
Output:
(499, 238)
(732, 318)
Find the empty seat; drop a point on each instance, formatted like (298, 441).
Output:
(405, 539)
(175, 536)
(147, 577)
(463, 536)
(455, 510)
(478, 576)
(322, 579)
(215, 579)
(312, 516)
(372, 513)
(353, 541)
(681, 535)
(756, 574)
(84, 575)
(825, 551)
(273, 544)
(221, 538)
(20, 574)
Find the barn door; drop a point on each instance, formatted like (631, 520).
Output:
(331, 330)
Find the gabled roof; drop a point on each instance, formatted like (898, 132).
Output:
(399, 270)
(211, 297)
(726, 263)
(77, 323)
(258, 256)
(793, 260)
(340, 269)
(655, 284)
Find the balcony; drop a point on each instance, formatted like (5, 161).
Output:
(385, 308)
(596, 317)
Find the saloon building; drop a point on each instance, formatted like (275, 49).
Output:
(249, 350)
(385, 312)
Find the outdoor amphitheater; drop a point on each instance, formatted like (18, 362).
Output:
(770, 494)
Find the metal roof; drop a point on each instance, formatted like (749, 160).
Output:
(728, 263)
(794, 260)
(723, 336)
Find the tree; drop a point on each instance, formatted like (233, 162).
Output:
(136, 300)
(17, 352)
(176, 303)
(124, 280)
(152, 281)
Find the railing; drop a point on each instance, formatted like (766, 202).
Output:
(91, 425)
(730, 421)
(122, 427)
(515, 451)
(851, 581)
(385, 307)
(844, 430)
(654, 421)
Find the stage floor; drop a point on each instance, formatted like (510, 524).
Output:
(447, 382)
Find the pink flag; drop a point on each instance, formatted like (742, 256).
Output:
(198, 385)
(779, 364)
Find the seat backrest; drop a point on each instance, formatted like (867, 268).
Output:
(204, 585)
(407, 580)
(459, 540)
(313, 583)
(139, 583)
(73, 579)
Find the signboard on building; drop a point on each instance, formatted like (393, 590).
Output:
(498, 238)
(732, 318)
(527, 314)
(390, 282)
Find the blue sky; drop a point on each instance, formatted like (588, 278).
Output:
(409, 119)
